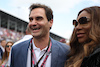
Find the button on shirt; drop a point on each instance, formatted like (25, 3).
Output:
(38, 54)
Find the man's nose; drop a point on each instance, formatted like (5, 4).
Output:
(33, 22)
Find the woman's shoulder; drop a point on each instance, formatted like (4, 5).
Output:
(92, 60)
(96, 51)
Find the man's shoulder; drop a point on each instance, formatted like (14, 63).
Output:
(25, 38)
(62, 46)
(21, 44)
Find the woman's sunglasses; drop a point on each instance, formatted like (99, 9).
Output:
(82, 20)
(8, 45)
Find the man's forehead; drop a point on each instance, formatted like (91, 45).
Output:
(35, 16)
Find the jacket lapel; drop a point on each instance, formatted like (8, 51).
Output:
(54, 54)
(25, 52)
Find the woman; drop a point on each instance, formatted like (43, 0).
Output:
(6, 54)
(85, 40)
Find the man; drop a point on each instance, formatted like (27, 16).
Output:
(41, 50)
(2, 48)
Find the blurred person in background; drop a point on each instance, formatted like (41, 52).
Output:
(4, 62)
(85, 40)
(63, 40)
(2, 48)
(26, 37)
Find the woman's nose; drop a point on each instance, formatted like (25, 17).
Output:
(78, 27)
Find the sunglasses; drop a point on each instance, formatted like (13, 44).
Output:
(8, 45)
(82, 20)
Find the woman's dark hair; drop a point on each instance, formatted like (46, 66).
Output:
(6, 54)
(79, 51)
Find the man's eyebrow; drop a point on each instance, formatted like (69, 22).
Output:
(39, 17)
(30, 18)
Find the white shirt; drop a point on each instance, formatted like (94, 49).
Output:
(26, 37)
(38, 54)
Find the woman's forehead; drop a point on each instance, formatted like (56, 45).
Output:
(83, 14)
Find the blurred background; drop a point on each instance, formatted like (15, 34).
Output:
(14, 16)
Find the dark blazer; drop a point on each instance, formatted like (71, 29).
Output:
(58, 55)
(1, 53)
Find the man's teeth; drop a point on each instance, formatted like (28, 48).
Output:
(36, 29)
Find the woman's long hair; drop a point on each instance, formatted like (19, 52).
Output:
(79, 51)
(6, 54)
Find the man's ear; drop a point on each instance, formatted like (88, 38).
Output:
(51, 23)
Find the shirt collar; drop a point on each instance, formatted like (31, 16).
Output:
(35, 48)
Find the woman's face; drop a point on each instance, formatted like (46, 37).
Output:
(83, 27)
(8, 47)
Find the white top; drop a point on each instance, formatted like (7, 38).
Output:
(26, 37)
(38, 54)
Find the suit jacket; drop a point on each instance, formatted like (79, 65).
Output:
(58, 55)
(1, 53)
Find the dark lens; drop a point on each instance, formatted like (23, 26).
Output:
(7, 45)
(82, 20)
(75, 23)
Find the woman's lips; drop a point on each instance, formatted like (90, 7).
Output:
(79, 35)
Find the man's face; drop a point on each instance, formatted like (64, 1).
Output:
(3, 43)
(38, 23)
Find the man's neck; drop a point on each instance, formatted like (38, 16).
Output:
(41, 43)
